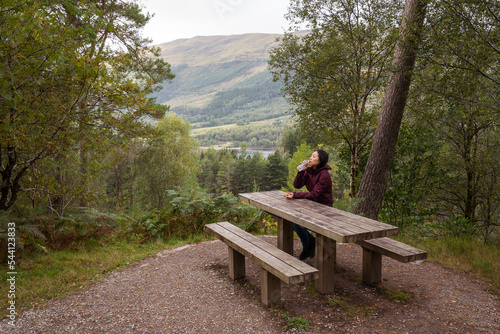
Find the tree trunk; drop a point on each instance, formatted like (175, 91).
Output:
(470, 159)
(354, 171)
(374, 181)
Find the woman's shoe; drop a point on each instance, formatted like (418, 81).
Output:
(308, 253)
(304, 255)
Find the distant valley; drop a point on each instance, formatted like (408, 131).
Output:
(222, 81)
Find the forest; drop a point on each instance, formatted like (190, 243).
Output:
(246, 103)
(89, 159)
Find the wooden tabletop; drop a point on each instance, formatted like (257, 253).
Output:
(335, 224)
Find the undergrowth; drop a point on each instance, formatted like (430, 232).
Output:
(463, 253)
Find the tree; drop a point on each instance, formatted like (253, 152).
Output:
(303, 152)
(225, 176)
(464, 36)
(75, 74)
(458, 80)
(414, 173)
(276, 172)
(374, 181)
(333, 75)
(167, 161)
(289, 140)
(210, 164)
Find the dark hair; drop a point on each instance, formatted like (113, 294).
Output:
(323, 158)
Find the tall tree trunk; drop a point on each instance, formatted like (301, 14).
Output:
(374, 181)
(354, 169)
(471, 167)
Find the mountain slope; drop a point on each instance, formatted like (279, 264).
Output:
(222, 79)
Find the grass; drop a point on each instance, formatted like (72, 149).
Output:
(352, 310)
(300, 323)
(41, 277)
(338, 301)
(397, 296)
(467, 254)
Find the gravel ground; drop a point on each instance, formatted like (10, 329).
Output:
(187, 290)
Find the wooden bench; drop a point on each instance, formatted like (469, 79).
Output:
(373, 249)
(276, 265)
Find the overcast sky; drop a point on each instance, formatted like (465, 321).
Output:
(174, 19)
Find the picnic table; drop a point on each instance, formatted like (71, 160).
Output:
(331, 226)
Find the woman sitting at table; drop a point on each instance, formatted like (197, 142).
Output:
(319, 184)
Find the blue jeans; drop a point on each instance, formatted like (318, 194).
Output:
(306, 238)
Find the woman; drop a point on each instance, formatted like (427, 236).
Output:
(319, 184)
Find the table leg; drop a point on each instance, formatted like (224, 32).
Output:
(285, 235)
(372, 267)
(326, 252)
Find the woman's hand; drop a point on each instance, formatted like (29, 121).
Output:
(289, 195)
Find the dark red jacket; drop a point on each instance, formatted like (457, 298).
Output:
(317, 182)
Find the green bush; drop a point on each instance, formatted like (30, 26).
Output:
(40, 231)
(189, 210)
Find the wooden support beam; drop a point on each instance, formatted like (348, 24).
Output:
(270, 288)
(326, 251)
(285, 235)
(236, 264)
(372, 267)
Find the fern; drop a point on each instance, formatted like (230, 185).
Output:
(189, 210)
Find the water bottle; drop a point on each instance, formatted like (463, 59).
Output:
(302, 166)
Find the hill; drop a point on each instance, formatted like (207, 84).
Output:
(222, 80)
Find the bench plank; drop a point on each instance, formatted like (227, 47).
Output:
(394, 249)
(255, 253)
(290, 260)
(280, 264)
(372, 256)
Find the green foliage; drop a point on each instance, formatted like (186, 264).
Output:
(226, 171)
(455, 227)
(290, 140)
(28, 236)
(253, 103)
(303, 153)
(167, 161)
(276, 171)
(189, 210)
(346, 203)
(334, 75)
(455, 98)
(74, 78)
(300, 323)
(398, 296)
(412, 177)
(39, 232)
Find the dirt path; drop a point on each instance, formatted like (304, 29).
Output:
(187, 290)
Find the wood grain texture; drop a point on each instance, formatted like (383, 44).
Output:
(333, 223)
(275, 261)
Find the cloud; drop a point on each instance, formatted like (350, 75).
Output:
(189, 18)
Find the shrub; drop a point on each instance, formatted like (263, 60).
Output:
(189, 210)
(40, 232)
